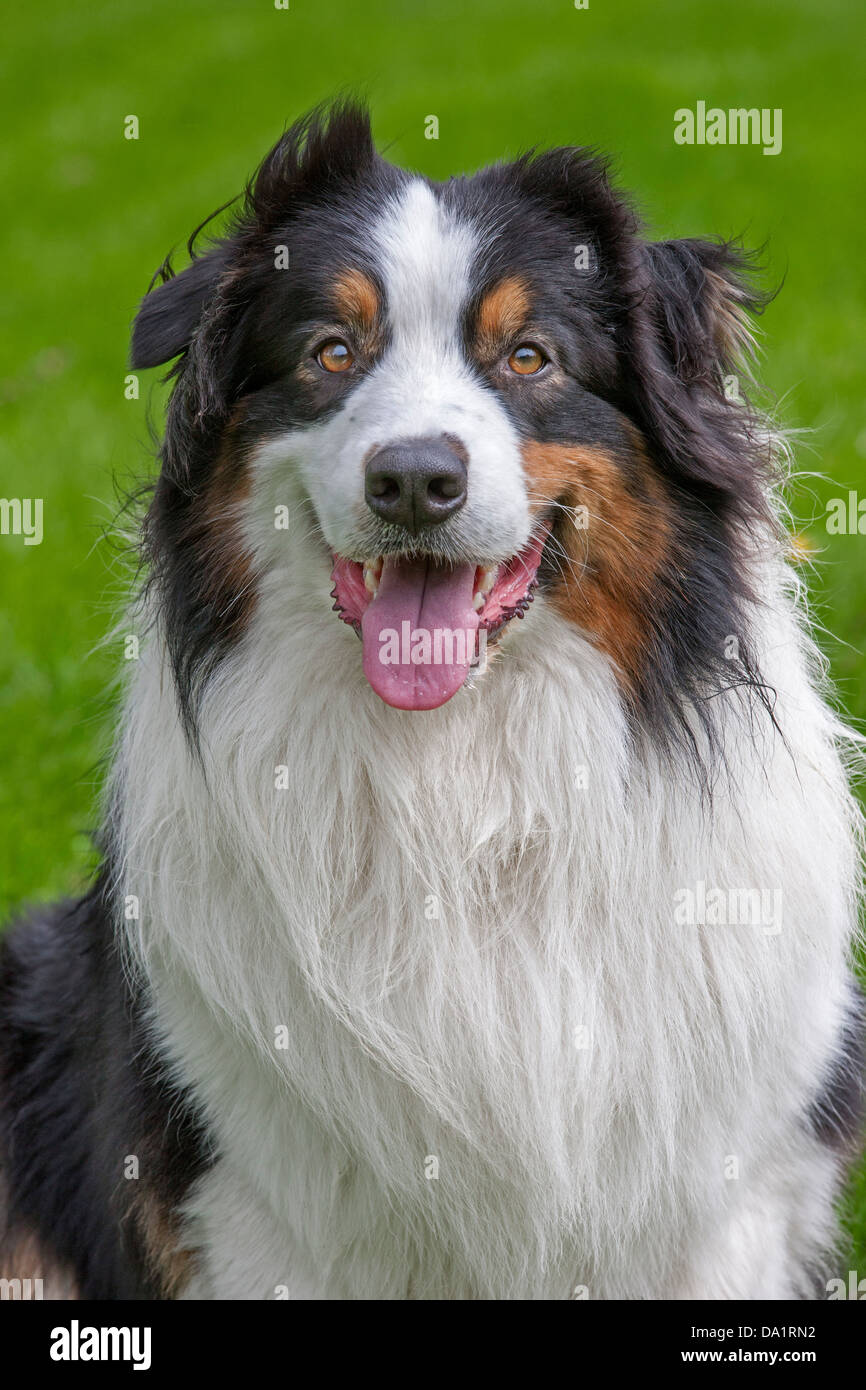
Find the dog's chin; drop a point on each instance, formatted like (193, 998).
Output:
(421, 617)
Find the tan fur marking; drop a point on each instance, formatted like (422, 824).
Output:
(733, 328)
(501, 315)
(171, 1264)
(24, 1257)
(25, 1260)
(610, 568)
(216, 532)
(357, 300)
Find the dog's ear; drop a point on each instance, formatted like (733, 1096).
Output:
(170, 313)
(330, 145)
(690, 336)
(701, 300)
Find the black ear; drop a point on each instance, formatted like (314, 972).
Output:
(701, 300)
(689, 331)
(332, 144)
(170, 314)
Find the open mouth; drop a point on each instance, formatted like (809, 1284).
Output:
(420, 617)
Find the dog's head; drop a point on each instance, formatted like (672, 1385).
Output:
(481, 390)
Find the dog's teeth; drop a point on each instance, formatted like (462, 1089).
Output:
(485, 584)
(372, 575)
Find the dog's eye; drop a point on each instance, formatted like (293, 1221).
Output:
(527, 359)
(334, 356)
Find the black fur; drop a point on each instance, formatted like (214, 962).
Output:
(81, 1089)
(170, 313)
(838, 1112)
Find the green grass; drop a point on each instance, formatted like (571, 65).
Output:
(89, 215)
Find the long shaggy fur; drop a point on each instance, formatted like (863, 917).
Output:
(415, 984)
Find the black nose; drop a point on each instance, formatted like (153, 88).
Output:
(416, 483)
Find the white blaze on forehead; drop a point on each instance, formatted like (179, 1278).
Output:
(427, 256)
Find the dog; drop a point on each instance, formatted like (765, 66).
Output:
(505, 953)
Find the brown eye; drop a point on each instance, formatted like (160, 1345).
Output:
(527, 359)
(334, 356)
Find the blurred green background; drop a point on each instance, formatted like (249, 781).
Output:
(89, 215)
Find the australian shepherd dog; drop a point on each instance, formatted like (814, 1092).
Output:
(480, 861)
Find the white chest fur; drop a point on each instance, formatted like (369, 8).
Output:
(434, 990)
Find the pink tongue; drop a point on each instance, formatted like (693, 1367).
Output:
(419, 633)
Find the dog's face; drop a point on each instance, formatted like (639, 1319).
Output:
(480, 388)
